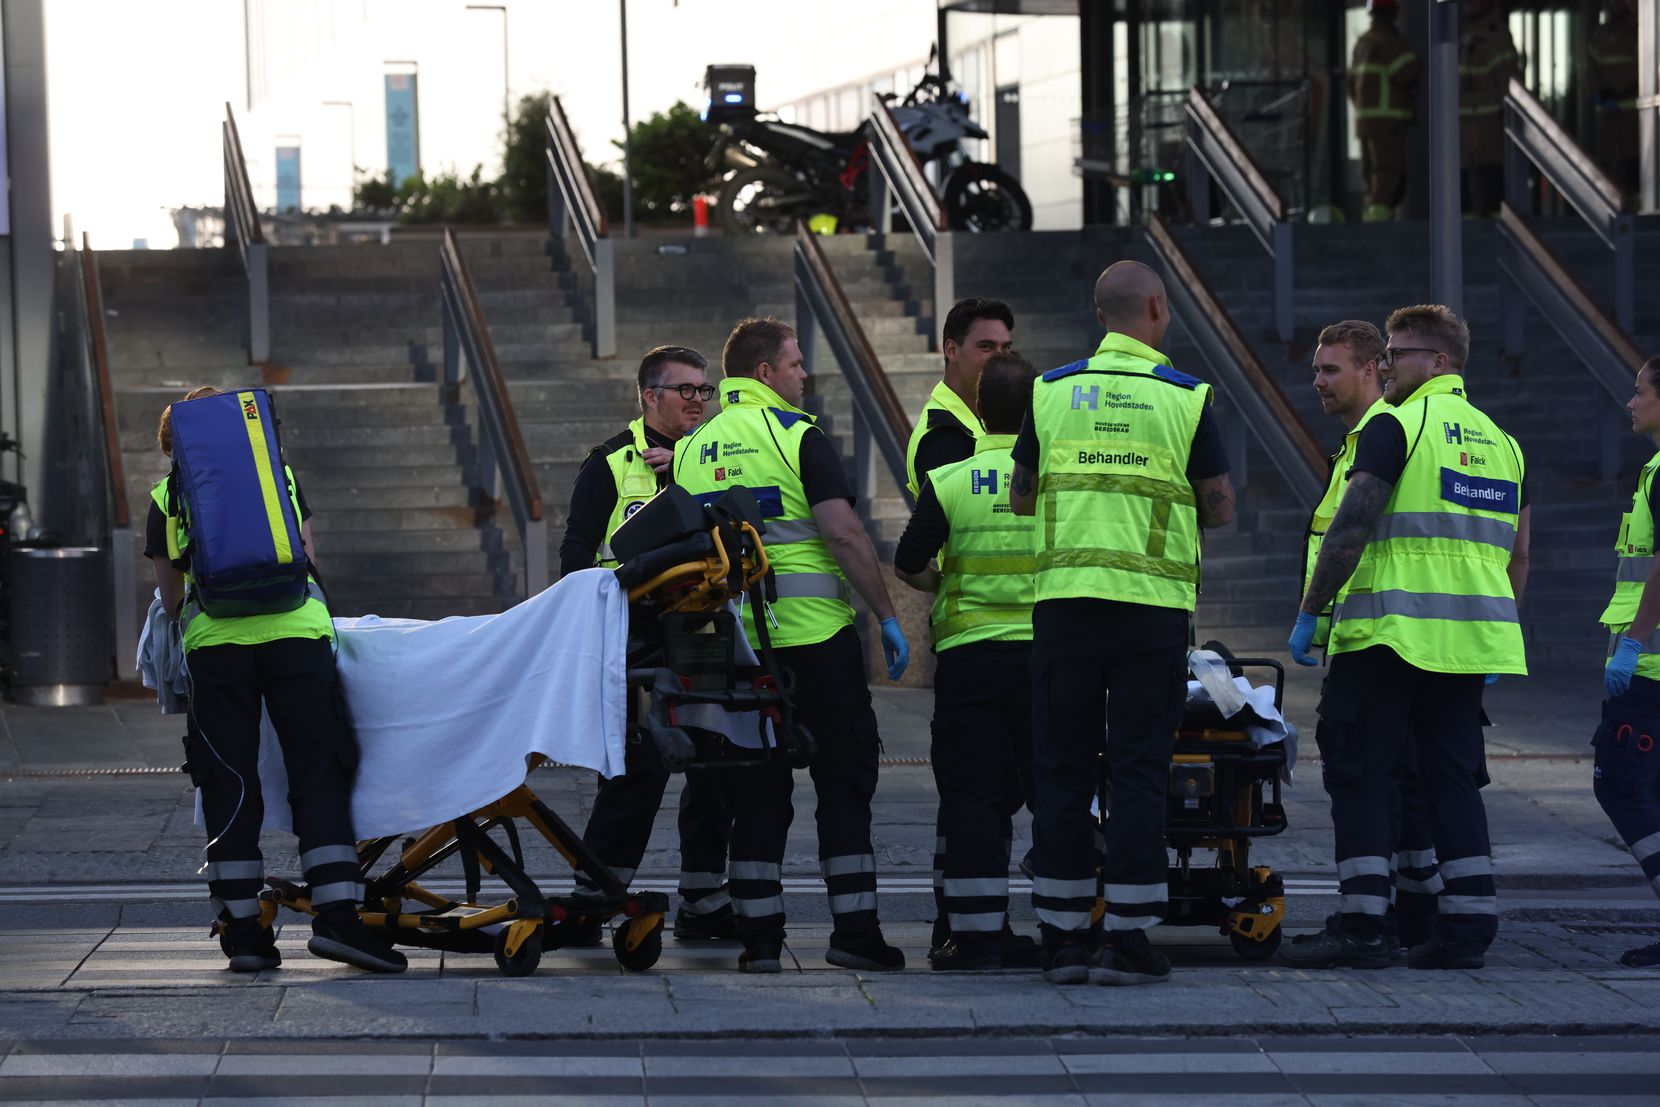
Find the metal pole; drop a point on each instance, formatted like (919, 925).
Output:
(628, 153)
(1648, 102)
(1446, 232)
(506, 94)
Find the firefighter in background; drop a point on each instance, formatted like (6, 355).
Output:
(1611, 70)
(1487, 59)
(1383, 83)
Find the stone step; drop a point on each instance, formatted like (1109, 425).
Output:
(478, 541)
(375, 564)
(332, 497)
(399, 518)
(415, 606)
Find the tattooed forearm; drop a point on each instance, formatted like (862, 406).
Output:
(1023, 481)
(1023, 490)
(1363, 502)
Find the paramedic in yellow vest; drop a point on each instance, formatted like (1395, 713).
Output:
(1611, 74)
(984, 586)
(1346, 380)
(1487, 60)
(763, 440)
(1122, 463)
(286, 662)
(619, 476)
(947, 427)
(1426, 557)
(1383, 85)
(1626, 776)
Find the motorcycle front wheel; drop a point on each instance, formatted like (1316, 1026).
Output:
(761, 200)
(981, 197)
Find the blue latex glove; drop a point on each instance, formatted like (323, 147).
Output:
(1490, 678)
(895, 649)
(1302, 639)
(1617, 677)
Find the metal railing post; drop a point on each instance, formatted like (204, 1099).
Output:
(124, 583)
(605, 298)
(1513, 322)
(1445, 227)
(536, 556)
(1198, 178)
(806, 325)
(259, 305)
(454, 367)
(489, 473)
(1284, 320)
(881, 204)
(559, 215)
(1625, 272)
(945, 276)
(864, 458)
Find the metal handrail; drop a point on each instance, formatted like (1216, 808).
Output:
(880, 425)
(1533, 135)
(242, 221)
(1531, 268)
(501, 445)
(572, 201)
(1255, 393)
(899, 172)
(1215, 153)
(105, 520)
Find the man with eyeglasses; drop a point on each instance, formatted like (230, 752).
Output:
(1426, 556)
(616, 480)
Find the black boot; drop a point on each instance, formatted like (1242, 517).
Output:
(337, 934)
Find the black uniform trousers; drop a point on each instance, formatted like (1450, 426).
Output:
(295, 678)
(1372, 704)
(982, 758)
(1626, 777)
(832, 699)
(625, 807)
(1103, 670)
(1417, 880)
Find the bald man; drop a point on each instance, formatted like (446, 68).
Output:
(1121, 457)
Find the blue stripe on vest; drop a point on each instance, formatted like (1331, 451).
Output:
(1065, 370)
(768, 497)
(1175, 376)
(788, 419)
(1481, 492)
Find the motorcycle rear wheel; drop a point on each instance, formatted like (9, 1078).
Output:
(981, 197)
(749, 202)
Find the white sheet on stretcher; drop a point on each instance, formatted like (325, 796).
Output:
(1263, 723)
(447, 712)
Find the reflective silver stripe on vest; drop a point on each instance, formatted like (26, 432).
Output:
(812, 586)
(1443, 524)
(604, 553)
(1628, 569)
(782, 532)
(1427, 605)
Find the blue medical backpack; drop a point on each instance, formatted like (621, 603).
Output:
(229, 489)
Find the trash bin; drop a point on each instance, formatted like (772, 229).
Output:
(59, 639)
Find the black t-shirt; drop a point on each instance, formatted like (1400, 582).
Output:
(945, 441)
(1206, 458)
(822, 475)
(155, 524)
(594, 498)
(924, 535)
(1381, 451)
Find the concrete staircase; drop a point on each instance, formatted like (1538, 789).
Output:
(1545, 399)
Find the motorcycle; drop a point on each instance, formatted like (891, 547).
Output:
(783, 172)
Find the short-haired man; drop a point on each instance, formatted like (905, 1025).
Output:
(946, 430)
(1346, 380)
(1121, 460)
(982, 628)
(764, 441)
(1429, 551)
(619, 476)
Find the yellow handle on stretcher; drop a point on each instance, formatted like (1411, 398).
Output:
(712, 573)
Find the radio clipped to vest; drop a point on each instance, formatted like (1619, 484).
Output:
(231, 495)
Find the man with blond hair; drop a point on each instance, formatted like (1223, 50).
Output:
(1426, 556)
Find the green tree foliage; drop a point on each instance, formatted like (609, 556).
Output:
(667, 155)
(448, 198)
(524, 179)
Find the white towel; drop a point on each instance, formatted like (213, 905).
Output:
(447, 712)
(161, 658)
(1263, 721)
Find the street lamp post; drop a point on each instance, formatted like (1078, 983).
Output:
(506, 114)
(628, 152)
(351, 137)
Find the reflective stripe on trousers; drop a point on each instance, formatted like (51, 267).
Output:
(757, 889)
(1064, 904)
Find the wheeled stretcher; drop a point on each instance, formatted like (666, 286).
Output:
(1224, 792)
(697, 696)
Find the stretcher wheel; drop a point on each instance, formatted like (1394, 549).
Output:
(523, 962)
(647, 949)
(1252, 950)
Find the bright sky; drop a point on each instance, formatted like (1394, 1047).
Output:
(137, 87)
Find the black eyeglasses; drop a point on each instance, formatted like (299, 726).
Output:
(1390, 353)
(703, 392)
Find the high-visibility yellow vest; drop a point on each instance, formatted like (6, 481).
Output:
(1115, 512)
(1432, 583)
(636, 482)
(1382, 75)
(988, 564)
(1634, 557)
(755, 441)
(309, 620)
(1326, 510)
(944, 408)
